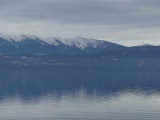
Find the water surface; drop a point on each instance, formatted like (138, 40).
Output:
(79, 94)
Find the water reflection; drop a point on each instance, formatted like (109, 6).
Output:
(88, 94)
(28, 84)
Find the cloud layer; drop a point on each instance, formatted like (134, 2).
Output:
(120, 19)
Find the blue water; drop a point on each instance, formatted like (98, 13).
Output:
(79, 95)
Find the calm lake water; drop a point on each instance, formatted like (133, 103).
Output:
(79, 94)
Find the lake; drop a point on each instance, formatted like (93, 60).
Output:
(79, 94)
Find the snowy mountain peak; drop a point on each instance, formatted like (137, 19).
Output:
(82, 43)
(33, 37)
(30, 44)
(5, 37)
(16, 38)
(78, 42)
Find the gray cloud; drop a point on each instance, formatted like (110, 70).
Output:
(115, 14)
(95, 12)
(147, 3)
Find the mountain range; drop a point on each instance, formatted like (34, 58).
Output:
(33, 45)
(32, 52)
(27, 44)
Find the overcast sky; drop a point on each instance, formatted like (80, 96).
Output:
(127, 22)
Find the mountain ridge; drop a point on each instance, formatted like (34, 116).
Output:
(29, 44)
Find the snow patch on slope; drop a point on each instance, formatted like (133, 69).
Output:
(52, 40)
(80, 42)
(5, 37)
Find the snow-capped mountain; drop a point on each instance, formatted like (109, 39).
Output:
(29, 44)
(79, 42)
